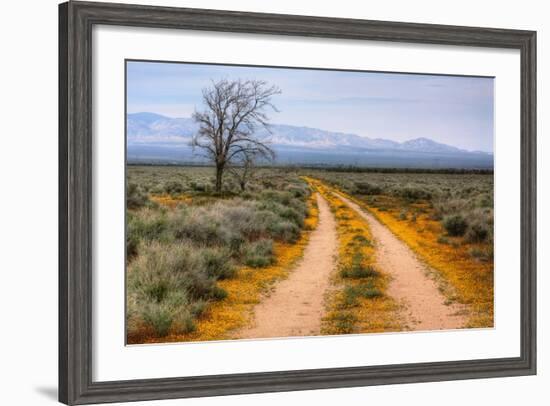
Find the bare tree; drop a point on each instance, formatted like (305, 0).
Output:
(234, 111)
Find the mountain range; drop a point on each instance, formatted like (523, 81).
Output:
(153, 137)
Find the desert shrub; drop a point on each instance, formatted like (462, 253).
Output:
(158, 317)
(165, 268)
(217, 263)
(132, 243)
(169, 284)
(281, 197)
(184, 323)
(298, 192)
(366, 188)
(259, 253)
(412, 193)
(173, 188)
(455, 225)
(199, 286)
(241, 217)
(293, 215)
(201, 227)
(264, 220)
(157, 189)
(136, 197)
(197, 186)
(485, 200)
(218, 293)
(484, 255)
(445, 206)
(198, 308)
(285, 231)
(147, 225)
(477, 233)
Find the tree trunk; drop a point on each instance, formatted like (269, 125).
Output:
(244, 177)
(219, 175)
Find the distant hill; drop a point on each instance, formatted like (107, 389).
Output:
(153, 137)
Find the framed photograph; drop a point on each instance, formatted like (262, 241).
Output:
(259, 202)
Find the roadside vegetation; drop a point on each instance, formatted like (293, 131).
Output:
(358, 302)
(447, 219)
(198, 259)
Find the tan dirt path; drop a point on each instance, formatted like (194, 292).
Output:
(295, 306)
(425, 307)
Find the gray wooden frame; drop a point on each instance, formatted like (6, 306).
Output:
(76, 20)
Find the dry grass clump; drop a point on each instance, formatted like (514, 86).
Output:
(136, 197)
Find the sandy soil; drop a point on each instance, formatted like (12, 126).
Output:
(425, 305)
(295, 306)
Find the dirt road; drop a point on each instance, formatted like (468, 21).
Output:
(295, 306)
(425, 305)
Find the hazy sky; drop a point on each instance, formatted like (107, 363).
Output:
(449, 109)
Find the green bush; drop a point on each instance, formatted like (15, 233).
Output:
(217, 263)
(173, 188)
(159, 318)
(285, 231)
(198, 186)
(259, 254)
(135, 196)
(412, 193)
(298, 192)
(477, 233)
(147, 225)
(132, 243)
(169, 284)
(455, 225)
(366, 188)
(218, 293)
(484, 255)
